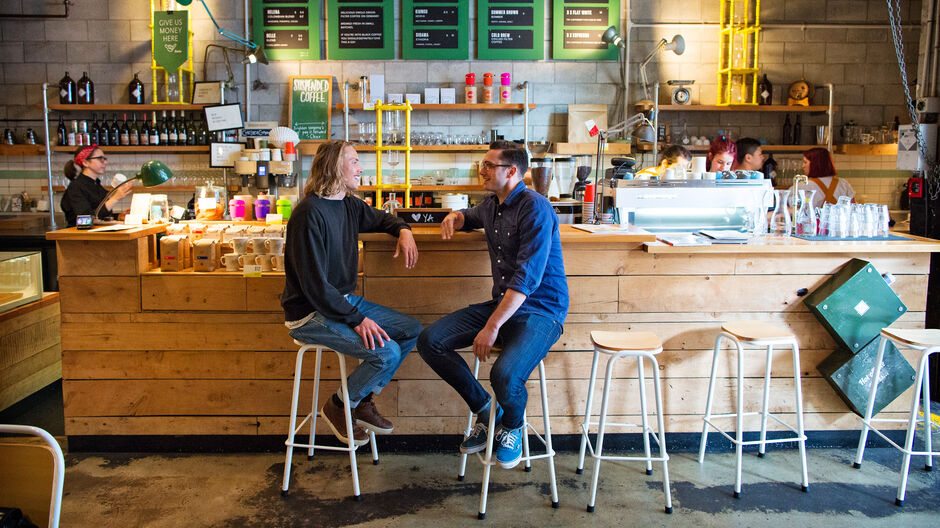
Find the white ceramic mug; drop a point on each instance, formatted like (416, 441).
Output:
(264, 261)
(245, 259)
(231, 261)
(275, 246)
(277, 262)
(711, 175)
(240, 245)
(257, 246)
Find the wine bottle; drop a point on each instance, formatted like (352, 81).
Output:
(86, 90)
(125, 133)
(135, 90)
(93, 132)
(114, 132)
(67, 90)
(171, 130)
(103, 135)
(798, 131)
(765, 92)
(787, 136)
(203, 132)
(164, 133)
(144, 130)
(191, 133)
(181, 129)
(154, 132)
(63, 135)
(134, 131)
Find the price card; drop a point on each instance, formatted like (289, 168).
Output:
(251, 270)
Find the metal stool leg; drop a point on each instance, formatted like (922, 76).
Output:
(586, 426)
(548, 434)
(708, 401)
(525, 441)
(661, 431)
(866, 422)
(799, 413)
(349, 428)
(641, 379)
(909, 439)
(766, 404)
(315, 400)
(292, 420)
(928, 464)
(466, 432)
(599, 451)
(488, 461)
(739, 420)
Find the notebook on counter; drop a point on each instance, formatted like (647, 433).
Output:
(725, 237)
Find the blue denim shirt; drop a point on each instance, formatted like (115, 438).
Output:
(525, 250)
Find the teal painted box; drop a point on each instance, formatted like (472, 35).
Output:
(855, 304)
(850, 374)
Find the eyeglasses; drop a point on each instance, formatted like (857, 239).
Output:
(487, 166)
(102, 158)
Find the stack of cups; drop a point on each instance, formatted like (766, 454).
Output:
(698, 167)
(587, 206)
(290, 154)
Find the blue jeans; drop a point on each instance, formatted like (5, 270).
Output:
(525, 340)
(379, 365)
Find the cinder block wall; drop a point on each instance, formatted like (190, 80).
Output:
(110, 40)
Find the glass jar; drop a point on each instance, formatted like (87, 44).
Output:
(565, 170)
(542, 174)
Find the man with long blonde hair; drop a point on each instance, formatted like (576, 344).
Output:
(321, 260)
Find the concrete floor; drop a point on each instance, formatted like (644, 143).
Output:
(128, 490)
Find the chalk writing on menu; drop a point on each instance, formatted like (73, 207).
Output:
(510, 29)
(310, 99)
(577, 26)
(360, 29)
(435, 29)
(288, 29)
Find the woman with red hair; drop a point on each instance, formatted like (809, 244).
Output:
(821, 171)
(721, 154)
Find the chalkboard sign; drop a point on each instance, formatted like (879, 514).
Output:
(422, 215)
(287, 29)
(435, 30)
(360, 29)
(310, 99)
(510, 29)
(577, 26)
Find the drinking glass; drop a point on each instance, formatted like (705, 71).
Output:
(870, 223)
(883, 220)
(393, 158)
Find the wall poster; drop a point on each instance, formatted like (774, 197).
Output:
(360, 29)
(310, 97)
(577, 26)
(435, 30)
(510, 29)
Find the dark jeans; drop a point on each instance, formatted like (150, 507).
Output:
(379, 365)
(525, 340)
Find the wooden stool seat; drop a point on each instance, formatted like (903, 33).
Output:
(625, 340)
(929, 337)
(756, 330)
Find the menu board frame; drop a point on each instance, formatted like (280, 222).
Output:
(302, 112)
(561, 27)
(288, 27)
(535, 51)
(386, 43)
(458, 29)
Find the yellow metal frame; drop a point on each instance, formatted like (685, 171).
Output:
(171, 5)
(738, 71)
(379, 148)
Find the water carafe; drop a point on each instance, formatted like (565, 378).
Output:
(806, 214)
(780, 224)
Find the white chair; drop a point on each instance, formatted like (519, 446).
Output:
(618, 345)
(25, 491)
(488, 458)
(314, 414)
(755, 334)
(928, 342)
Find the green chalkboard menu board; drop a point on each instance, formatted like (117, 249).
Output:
(360, 29)
(310, 98)
(435, 29)
(287, 29)
(577, 26)
(511, 29)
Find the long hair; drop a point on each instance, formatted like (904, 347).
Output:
(820, 162)
(326, 172)
(719, 145)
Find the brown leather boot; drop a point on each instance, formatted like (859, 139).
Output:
(336, 419)
(368, 416)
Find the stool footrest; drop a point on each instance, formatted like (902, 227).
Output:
(324, 447)
(893, 443)
(628, 458)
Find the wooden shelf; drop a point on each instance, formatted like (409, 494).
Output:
(744, 108)
(160, 189)
(424, 188)
(458, 106)
(646, 147)
(123, 107)
(591, 148)
(139, 149)
(890, 149)
(21, 150)
(309, 148)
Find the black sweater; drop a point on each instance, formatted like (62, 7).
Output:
(81, 197)
(321, 256)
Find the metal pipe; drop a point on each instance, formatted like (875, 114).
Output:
(247, 71)
(45, 115)
(525, 116)
(829, 114)
(934, 52)
(66, 3)
(771, 26)
(655, 121)
(625, 65)
(346, 110)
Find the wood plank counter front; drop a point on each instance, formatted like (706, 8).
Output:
(153, 353)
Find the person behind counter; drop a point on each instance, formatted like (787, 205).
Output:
(674, 157)
(320, 267)
(528, 307)
(750, 156)
(85, 192)
(721, 154)
(821, 171)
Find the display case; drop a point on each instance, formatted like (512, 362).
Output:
(20, 278)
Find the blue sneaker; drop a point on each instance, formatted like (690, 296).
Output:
(476, 441)
(509, 447)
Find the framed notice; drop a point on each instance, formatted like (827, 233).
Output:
(435, 30)
(208, 92)
(310, 98)
(287, 29)
(510, 29)
(224, 117)
(224, 155)
(360, 29)
(577, 26)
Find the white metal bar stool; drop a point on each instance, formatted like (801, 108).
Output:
(489, 461)
(312, 416)
(618, 345)
(755, 334)
(928, 342)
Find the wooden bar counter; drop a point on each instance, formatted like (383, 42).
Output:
(153, 353)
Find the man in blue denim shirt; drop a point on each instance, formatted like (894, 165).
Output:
(530, 302)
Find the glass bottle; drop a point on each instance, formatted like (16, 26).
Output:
(135, 90)
(181, 129)
(164, 133)
(67, 90)
(806, 215)
(134, 131)
(63, 135)
(798, 131)
(786, 137)
(391, 204)
(765, 92)
(155, 131)
(86, 90)
(780, 224)
(125, 136)
(144, 130)
(172, 135)
(114, 133)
